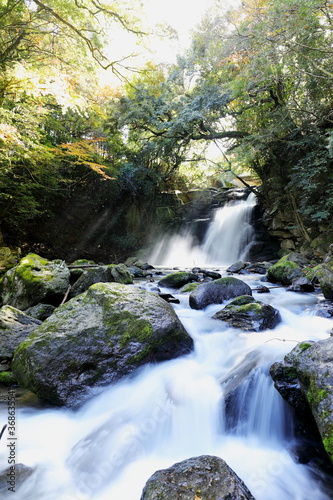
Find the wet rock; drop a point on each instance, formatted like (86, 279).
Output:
(204, 477)
(35, 280)
(217, 292)
(169, 298)
(177, 280)
(19, 474)
(324, 275)
(301, 285)
(102, 274)
(287, 269)
(97, 338)
(308, 369)
(249, 315)
(236, 267)
(262, 289)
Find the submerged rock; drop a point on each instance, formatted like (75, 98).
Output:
(101, 274)
(97, 338)
(217, 292)
(249, 315)
(204, 477)
(178, 280)
(306, 375)
(35, 280)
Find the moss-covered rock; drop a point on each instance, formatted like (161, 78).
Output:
(324, 275)
(189, 287)
(249, 315)
(310, 369)
(7, 378)
(204, 477)
(102, 274)
(286, 269)
(177, 280)
(217, 292)
(97, 338)
(35, 280)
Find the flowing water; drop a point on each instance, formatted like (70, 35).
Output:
(178, 409)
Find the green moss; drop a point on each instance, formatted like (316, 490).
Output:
(7, 378)
(304, 346)
(189, 287)
(328, 445)
(177, 280)
(241, 301)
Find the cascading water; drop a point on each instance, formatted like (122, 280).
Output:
(218, 400)
(227, 240)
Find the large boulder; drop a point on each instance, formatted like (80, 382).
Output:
(97, 338)
(204, 477)
(324, 274)
(101, 274)
(217, 292)
(308, 369)
(178, 280)
(15, 326)
(35, 280)
(287, 269)
(249, 314)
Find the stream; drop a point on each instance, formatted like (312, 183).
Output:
(178, 409)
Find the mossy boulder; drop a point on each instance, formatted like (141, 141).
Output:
(287, 269)
(249, 315)
(204, 477)
(217, 292)
(189, 287)
(15, 326)
(178, 280)
(35, 280)
(324, 274)
(102, 274)
(97, 338)
(309, 368)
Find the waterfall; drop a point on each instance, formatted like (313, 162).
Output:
(227, 240)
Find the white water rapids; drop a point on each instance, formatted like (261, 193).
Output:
(177, 409)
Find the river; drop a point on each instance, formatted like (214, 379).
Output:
(178, 409)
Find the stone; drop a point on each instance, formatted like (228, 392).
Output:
(203, 477)
(97, 338)
(236, 267)
(324, 275)
(286, 269)
(20, 472)
(101, 274)
(301, 285)
(217, 292)
(177, 280)
(15, 326)
(35, 280)
(249, 315)
(41, 311)
(306, 378)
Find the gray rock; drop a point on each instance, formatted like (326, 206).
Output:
(102, 274)
(35, 280)
(178, 280)
(41, 311)
(15, 326)
(18, 474)
(217, 292)
(308, 368)
(249, 315)
(236, 267)
(204, 477)
(97, 338)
